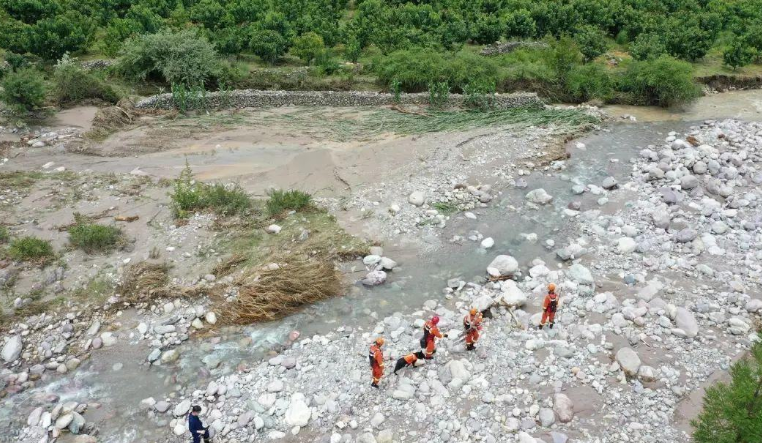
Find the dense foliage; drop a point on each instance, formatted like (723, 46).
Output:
(687, 28)
(408, 44)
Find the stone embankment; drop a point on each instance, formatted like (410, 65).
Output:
(249, 98)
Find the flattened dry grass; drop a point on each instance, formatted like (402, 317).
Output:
(274, 293)
(144, 280)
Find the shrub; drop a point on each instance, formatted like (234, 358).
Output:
(71, 84)
(24, 90)
(4, 235)
(732, 412)
(664, 82)
(647, 46)
(564, 55)
(293, 200)
(479, 95)
(269, 45)
(226, 200)
(308, 47)
(591, 42)
(415, 69)
(739, 53)
(92, 237)
(587, 82)
(31, 249)
(174, 57)
(190, 195)
(439, 94)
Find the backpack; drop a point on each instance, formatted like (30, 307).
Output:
(553, 304)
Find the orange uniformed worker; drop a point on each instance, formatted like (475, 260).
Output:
(549, 307)
(430, 334)
(407, 360)
(473, 324)
(376, 357)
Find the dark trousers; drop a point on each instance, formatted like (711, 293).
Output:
(197, 438)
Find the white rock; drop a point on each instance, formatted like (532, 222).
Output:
(273, 229)
(12, 349)
(685, 320)
(503, 265)
(626, 245)
(563, 407)
(416, 198)
(108, 339)
(488, 243)
(629, 361)
(182, 408)
(512, 295)
(298, 413)
(374, 278)
(539, 196)
(210, 317)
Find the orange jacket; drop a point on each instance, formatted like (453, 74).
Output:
(376, 356)
(430, 330)
(474, 322)
(549, 299)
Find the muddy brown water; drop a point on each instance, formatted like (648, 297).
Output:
(420, 276)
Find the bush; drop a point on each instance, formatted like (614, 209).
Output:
(268, 45)
(71, 84)
(563, 57)
(174, 57)
(4, 235)
(739, 53)
(591, 42)
(92, 237)
(587, 82)
(308, 47)
(664, 82)
(732, 412)
(647, 46)
(31, 249)
(439, 94)
(190, 195)
(293, 200)
(479, 95)
(415, 69)
(24, 90)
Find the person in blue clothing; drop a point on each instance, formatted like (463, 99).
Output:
(197, 429)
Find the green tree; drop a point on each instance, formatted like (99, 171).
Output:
(53, 37)
(647, 46)
(564, 56)
(664, 82)
(175, 57)
(71, 84)
(589, 81)
(24, 90)
(308, 47)
(739, 53)
(732, 412)
(269, 45)
(591, 42)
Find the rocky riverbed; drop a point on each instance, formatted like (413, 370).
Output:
(656, 297)
(656, 255)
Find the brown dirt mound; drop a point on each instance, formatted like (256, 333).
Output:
(275, 293)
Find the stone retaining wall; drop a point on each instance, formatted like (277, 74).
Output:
(267, 99)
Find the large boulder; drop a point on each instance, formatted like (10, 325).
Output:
(374, 278)
(626, 245)
(563, 407)
(581, 274)
(512, 295)
(687, 322)
(298, 413)
(503, 266)
(539, 197)
(12, 349)
(629, 361)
